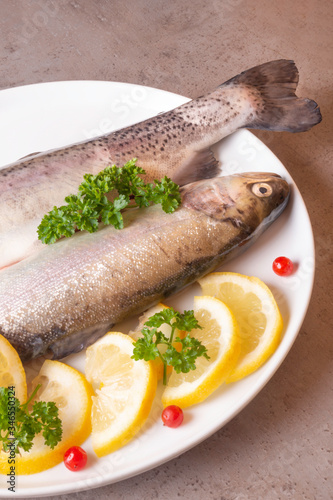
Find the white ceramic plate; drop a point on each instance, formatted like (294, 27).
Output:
(44, 116)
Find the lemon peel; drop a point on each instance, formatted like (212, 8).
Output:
(257, 313)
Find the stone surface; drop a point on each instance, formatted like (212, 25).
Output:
(280, 445)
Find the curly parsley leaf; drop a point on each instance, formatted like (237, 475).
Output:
(183, 360)
(167, 193)
(47, 415)
(86, 210)
(146, 346)
(19, 426)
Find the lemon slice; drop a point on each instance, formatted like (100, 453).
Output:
(258, 316)
(125, 390)
(220, 336)
(12, 373)
(69, 389)
(165, 329)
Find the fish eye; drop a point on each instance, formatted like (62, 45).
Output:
(262, 189)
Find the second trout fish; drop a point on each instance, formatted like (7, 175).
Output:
(69, 294)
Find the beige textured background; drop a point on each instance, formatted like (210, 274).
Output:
(280, 445)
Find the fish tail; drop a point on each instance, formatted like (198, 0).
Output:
(278, 107)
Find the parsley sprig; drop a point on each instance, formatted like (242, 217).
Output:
(146, 347)
(90, 206)
(19, 426)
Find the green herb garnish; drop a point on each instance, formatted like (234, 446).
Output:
(19, 425)
(191, 348)
(90, 206)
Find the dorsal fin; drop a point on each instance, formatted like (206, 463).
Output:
(30, 155)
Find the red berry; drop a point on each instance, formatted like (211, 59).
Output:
(75, 458)
(283, 266)
(172, 416)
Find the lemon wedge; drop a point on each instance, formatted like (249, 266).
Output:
(220, 336)
(258, 316)
(11, 370)
(68, 388)
(165, 329)
(125, 390)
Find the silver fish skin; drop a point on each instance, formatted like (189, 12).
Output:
(176, 143)
(61, 300)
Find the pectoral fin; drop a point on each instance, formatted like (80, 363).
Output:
(201, 165)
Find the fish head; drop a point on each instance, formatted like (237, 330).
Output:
(247, 200)
(258, 195)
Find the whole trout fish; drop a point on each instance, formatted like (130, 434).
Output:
(176, 143)
(62, 299)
